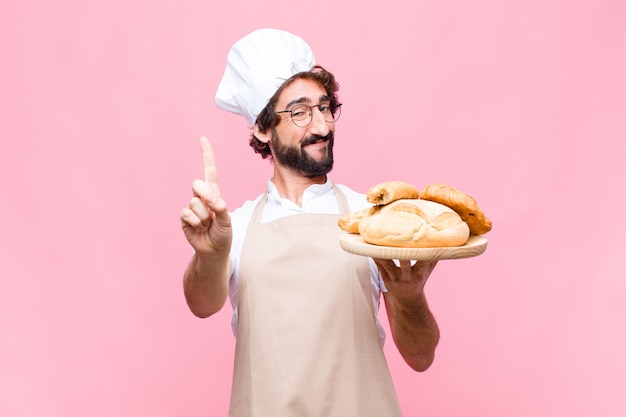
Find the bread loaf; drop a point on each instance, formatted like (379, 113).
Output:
(460, 202)
(413, 223)
(350, 222)
(386, 192)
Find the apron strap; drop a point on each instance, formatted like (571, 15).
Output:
(258, 210)
(344, 207)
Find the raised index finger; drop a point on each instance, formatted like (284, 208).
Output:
(208, 161)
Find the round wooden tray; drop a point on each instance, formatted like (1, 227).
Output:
(355, 244)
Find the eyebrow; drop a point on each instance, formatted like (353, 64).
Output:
(306, 100)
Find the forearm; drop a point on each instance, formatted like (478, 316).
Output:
(414, 329)
(206, 283)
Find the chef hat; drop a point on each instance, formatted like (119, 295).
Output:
(256, 66)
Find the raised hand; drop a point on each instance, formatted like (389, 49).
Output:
(205, 220)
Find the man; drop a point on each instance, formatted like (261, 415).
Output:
(309, 342)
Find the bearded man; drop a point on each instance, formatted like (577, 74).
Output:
(308, 338)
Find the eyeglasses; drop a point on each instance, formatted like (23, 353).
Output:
(302, 114)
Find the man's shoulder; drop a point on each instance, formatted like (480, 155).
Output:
(246, 209)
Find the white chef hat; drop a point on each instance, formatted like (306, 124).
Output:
(256, 66)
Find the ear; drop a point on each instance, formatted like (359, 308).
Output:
(262, 136)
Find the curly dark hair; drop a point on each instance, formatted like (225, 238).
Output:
(267, 119)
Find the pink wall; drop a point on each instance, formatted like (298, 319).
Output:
(521, 104)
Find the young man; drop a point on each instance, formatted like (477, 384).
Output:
(309, 342)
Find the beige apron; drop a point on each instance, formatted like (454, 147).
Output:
(307, 343)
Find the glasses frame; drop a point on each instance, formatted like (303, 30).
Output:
(337, 108)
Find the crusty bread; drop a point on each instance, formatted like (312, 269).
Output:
(350, 222)
(461, 203)
(387, 192)
(402, 216)
(413, 223)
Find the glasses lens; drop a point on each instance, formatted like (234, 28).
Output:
(336, 113)
(301, 115)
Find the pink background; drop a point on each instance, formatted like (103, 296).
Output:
(520, 104)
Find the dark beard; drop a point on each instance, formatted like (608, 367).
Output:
(297, 159)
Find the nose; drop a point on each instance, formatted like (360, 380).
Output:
(318, 125)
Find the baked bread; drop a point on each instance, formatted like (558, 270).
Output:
(413, 223)
(350, 222)
(461, 203)
(442, 216)
(386, 192)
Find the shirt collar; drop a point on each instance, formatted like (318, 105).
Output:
(312, 192)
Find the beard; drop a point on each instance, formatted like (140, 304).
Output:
(296, 158)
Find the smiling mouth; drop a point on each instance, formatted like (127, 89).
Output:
(313, 141)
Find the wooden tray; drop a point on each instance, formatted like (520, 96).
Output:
(355, 244)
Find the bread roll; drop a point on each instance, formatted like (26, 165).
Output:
(461, 203)
(350, 222)
(413, 223)
(386, 192)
